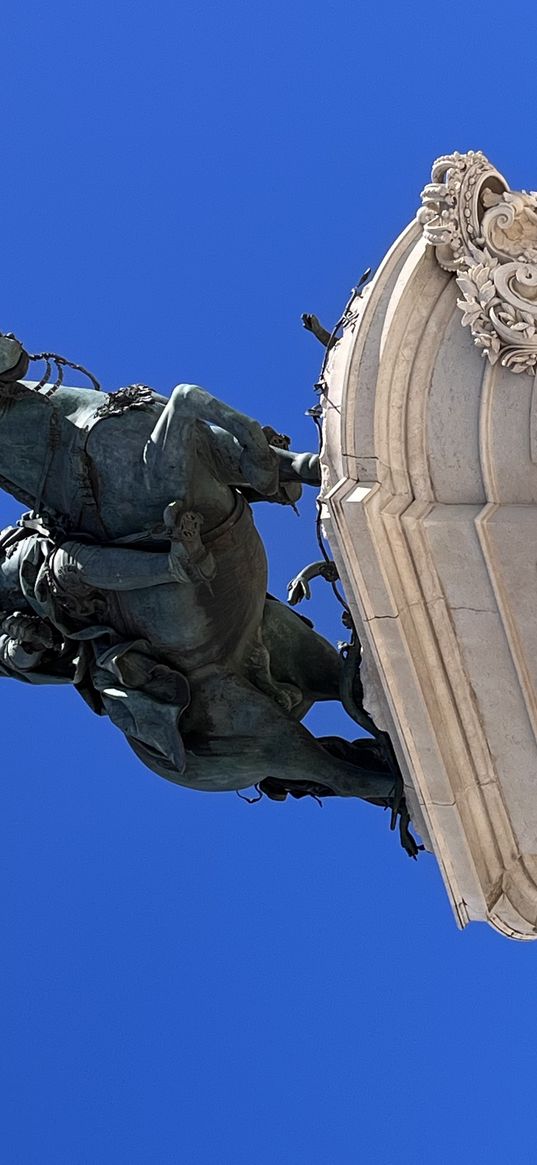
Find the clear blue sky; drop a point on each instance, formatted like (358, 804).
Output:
(186, 978)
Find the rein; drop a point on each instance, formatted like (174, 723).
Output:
(12, 375)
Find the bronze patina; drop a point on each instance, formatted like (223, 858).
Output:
(139, 576)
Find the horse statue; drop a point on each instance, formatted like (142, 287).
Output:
(139, 576)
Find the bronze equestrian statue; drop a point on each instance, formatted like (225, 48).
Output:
(139, 577)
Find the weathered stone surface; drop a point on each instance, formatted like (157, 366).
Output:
(430, 507)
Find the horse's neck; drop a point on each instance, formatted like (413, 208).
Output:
(25, 434)
(68, 401)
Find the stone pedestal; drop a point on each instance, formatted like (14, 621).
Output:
(430, 508)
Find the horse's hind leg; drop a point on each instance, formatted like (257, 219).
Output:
(298, 655)
(236, 736)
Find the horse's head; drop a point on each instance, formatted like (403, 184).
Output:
(14, 360)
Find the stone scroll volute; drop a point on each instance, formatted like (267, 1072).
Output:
(487, 235)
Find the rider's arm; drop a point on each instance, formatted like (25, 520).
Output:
(302, 467)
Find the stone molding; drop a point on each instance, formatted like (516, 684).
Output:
(430, 508)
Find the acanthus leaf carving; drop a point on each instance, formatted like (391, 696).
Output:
(486, 235)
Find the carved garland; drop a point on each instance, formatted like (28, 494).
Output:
(487, 235)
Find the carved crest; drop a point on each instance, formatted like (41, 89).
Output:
(487, 235)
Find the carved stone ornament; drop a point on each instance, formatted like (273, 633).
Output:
(487, 235)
